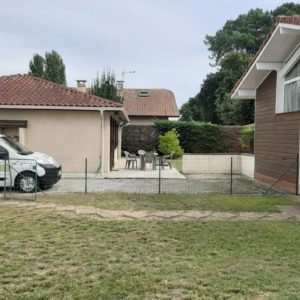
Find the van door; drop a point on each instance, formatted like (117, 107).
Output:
(4, 166)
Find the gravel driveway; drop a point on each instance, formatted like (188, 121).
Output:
(189, 185)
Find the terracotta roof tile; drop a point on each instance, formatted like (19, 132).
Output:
(159, 103)
(294, 20)
(29, 90)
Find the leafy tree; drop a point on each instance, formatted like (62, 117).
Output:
(245, 34)
(169, 143)
(203, 106)
(186, 112)
(232, 48)
(247, 138)
(55, 68)
(105, 86)
(286, 9)
(231, 111)
(51, 67)
(37, 66)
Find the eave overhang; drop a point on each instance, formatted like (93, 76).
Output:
(283, 43)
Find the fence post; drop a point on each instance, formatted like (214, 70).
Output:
(85, 177)
(4, 178)
(159, 175)
(36, 181)
(231, 174)
(297, 175)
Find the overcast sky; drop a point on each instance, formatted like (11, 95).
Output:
(162, 40)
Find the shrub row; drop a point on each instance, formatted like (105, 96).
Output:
(196, 137)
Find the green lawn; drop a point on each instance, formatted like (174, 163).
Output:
(177, 164)
(48, 256)
(231, 203)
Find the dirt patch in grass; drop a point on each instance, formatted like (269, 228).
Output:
(115, 201)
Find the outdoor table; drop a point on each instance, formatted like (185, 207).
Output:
(143, 163)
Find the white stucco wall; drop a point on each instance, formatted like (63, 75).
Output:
(68, 136)
(247, 165)
(218, 164)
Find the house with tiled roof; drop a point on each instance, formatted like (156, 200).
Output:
(273, 81)
(63, 122)
(143, 107)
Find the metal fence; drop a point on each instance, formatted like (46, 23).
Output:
(193, 175)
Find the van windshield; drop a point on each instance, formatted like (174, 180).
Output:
(20, 149)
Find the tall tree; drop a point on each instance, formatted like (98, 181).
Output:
(105, 86)
(231, 48)
(51, 67)
(244, 34)
(203, 106)
(37, 66)
(55, 69)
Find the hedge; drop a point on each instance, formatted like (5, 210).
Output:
(196, 137)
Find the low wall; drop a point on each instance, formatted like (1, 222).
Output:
(247, 165)
(218, 164)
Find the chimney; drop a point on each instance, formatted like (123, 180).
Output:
(120, 85)
(81, 86)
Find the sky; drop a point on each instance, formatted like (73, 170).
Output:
(161, 40)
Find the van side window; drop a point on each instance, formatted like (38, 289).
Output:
(3, 153)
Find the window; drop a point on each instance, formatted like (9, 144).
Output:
(292, 89)
(3, 153)
(144, 94)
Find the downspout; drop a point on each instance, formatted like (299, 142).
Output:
(100, 167)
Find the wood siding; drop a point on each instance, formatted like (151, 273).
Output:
(276, 139)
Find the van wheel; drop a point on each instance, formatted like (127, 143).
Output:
(26, 182)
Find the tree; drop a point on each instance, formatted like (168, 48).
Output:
(186, 112)
(169, 143)
(51, 67)
(232, 48)
(229, 111)
(245, 34)
(203, 106)
(105, 86)
(55, 68)
(37, 66)
(286, 9)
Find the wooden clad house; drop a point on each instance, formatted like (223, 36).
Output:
(273, 80)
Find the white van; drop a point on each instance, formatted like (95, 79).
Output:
(26, 170)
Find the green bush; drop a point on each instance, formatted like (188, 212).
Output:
(169, 143)
(247, 138)
(195, 137)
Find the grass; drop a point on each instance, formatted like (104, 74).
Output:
(177, 164)
(47, 256)
(230, 203)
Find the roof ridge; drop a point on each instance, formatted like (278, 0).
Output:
(145, 89)
(25, 89)
(62, 87)
(72, 90)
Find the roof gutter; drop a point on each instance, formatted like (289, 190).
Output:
(76, 108)
(253, 63)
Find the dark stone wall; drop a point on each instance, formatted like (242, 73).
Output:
(145, 137)
(139, 137)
